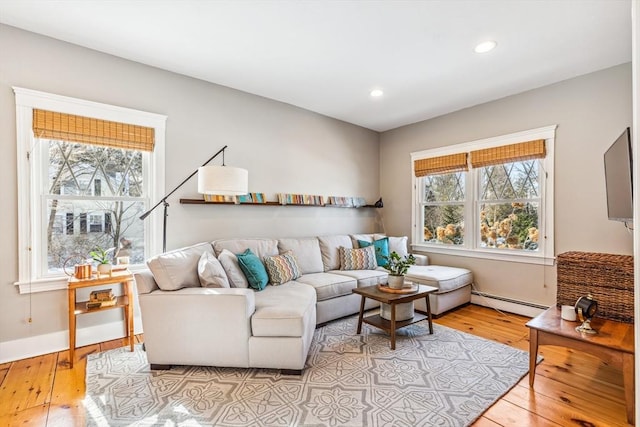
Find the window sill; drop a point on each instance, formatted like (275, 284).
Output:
(55, 283)
(496, 255)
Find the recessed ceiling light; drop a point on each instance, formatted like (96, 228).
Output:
(485, 47)
(376, 93)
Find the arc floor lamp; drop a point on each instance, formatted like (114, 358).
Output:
(223, 180)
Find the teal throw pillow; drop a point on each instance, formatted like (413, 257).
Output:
(253, 269)
(382, 249)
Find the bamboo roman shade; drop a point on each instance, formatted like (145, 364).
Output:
(442, 164)
(69, 127)
(508, 153)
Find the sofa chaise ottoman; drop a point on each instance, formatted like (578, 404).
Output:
(454, 286)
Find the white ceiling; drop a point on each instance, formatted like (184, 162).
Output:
(326, 56)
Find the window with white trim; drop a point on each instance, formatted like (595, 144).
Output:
(489, 199)
(86, 172)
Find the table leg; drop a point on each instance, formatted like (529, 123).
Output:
(128, 312)
(72, 325)
(393, 326)
(428, 304)
(361, 314)
(533, 354)
(629, 385)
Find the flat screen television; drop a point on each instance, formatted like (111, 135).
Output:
(618, 167)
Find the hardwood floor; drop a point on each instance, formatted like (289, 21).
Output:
(571, 389)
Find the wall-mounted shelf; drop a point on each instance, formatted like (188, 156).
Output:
(203, 202)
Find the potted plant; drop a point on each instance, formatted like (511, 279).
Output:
(102, 258)
(397, 267)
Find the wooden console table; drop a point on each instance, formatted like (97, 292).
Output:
(125, 302)
(613, 343)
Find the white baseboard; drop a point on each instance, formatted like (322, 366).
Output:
(57, 341)
(510, 306)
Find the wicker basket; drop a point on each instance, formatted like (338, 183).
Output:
(609, 278)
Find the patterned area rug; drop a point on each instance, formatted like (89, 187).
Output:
(446, 379)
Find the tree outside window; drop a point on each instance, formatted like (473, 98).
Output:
(98, 191)
(443, 207)
(508, 206)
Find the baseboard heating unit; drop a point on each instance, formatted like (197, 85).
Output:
(524, 308)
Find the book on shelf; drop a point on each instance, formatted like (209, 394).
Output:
(101, 295)
(246, 198)
(347, 202)
(102, 303)
(300, 199)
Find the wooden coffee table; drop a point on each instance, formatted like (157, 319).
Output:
(613, 343)
(393, 299)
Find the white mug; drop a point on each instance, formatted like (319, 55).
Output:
(123, 260)
(568, 313)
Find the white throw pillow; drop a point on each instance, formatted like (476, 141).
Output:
(211, 272)
(399, 245)
(229, 262)
(396, 244)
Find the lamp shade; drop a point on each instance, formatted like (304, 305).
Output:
(223, 180)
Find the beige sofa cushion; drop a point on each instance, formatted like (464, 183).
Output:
(260, 247)
(329, 248)
(281, 311)
(366, 277)
(363, 237)
(446, 279)
(329, 285)
(178, 269)
(306, 251)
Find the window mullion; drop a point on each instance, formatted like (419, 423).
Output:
(473, 209)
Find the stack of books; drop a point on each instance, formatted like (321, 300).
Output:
(101, 298)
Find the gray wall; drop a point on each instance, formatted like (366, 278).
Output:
(285, 149)
(590, 111)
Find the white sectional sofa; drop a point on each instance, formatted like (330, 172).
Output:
(234, 325)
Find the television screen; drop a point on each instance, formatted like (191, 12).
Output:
(618, 175)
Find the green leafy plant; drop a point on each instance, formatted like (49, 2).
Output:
(397, 265)
(100, 256)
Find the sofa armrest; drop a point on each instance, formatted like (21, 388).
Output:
(145, 282)
(198, 326)
(421, 259)
(235, 300)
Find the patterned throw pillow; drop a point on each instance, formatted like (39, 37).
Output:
(357, 259)
(282, 268)
(382, 249)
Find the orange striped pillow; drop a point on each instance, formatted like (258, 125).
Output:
(282, 268)
(357, 259)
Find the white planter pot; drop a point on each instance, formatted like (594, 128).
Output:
(104, 268)
(395, 282)
(403, 311)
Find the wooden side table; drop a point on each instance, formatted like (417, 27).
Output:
(613, 343)
(76, 308)
(390, 326)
